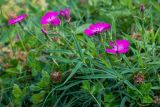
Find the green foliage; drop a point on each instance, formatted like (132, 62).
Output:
(17, 95)
(145, 90)
(37, 98)
(87, 76)
(110, 100)
(44, 81)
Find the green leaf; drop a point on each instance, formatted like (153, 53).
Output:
(70, 85)
(37, 98)
(145, 88)
(17, 92)
(146, 99)
(61, 59)
(108, 2)
(120, 13)
(19, 67)
(123, 102)
(109, 100)
(86, 85)
(62, 51)
(79, 64)
(33, 63)
(131, 86)
(95, 76)
(45, 80)
(78, 46)
(81, 28)
(154, 63)
(12, 71)
(109, 97)
(155, 88)
(96, 88)
(35, 88)
(127, 3)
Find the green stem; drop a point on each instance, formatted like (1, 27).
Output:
(95, 99)
(22, 43)
(126, 60)
(103, 47)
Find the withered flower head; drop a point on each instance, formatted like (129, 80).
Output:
(55, 39)
(56, 76)
(156, 100)
(12, 14)
(138, 78)
(136, 36)
(21, 55)
(6, 65)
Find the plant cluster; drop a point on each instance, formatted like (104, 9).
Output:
(80, 53)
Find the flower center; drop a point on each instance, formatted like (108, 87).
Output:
(50, 19)
(98, 29)
(118, 47)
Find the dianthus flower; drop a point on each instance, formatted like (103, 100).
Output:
(119, 47)
(97, 28)
(50, 18)
(17, 19)
(66, 14)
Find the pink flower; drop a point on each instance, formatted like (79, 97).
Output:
(97, 28)
(56, 22)
(50, 17)
(121, 46)
(66, 14)
(17, 19)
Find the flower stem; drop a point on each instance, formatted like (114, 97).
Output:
(103, 47)
(99, 105)
(126, 60)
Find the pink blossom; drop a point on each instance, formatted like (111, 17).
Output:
(119, 47)
(97, 28)
(66, 14)
(56, 22)
(17, 19)
(50, 17)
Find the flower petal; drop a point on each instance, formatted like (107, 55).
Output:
(97, 28)
(51, 13)
(111, 51)
(48, 17)
(88, 32)
(111, 44)
(123, 43)
(56, 22)
(122, 46)
(44, 20)
(65, 12)
(106, 26)
(123, 51)
(17, 19)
